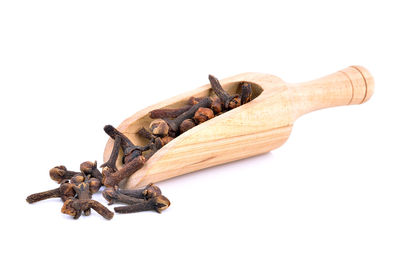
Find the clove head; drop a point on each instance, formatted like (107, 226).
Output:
(60, 173)
(161, 203)
(77, 179)
(186, 125)
(151, 191)
(162, 141)
(203, 114)
(94, 185)
(234, 102)
(67, 191)
(109, 195)
(87, 167)
(159, 127)
(216, 105)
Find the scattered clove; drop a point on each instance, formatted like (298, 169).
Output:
(113, 179)
(83, 192)
(74, 207)
(149, 191)
(112, 160)
(64, 191)
(60, 173)
(158, 203)
(90, 168)
(115, 196)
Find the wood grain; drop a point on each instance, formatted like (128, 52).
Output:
(257, 127)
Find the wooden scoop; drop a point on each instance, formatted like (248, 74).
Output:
(257, 127)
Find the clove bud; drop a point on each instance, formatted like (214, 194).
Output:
(60, 173)
(203, 114)
(158, 204)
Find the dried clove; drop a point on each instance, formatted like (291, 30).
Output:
(115, 196)
(94, 185)
(112, 160)
(130, 150)
(64, 191)
(203, 114)
(146, 134)
(74, 207)
(194, 100)
(83, 192)
(159, 127)
(78, 178)
(229, 101)
(175, 123)
(186, 125)
(60, 173)
(158, 203)
(113, 179)
(149, 191)
(216, 105)
(168, 112)
(162, 141)
(90, 168)
(246, 93)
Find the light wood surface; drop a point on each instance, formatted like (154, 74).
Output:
(257, 127)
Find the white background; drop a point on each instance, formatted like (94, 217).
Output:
(326, 204)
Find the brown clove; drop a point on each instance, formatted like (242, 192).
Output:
(228, 101)
(115, 196)
(168, 112)
(130, 150)
(113, 179)
(186, 125)
(158, 203)
(90, 168)
(149, 191)
(175, 123)
(246, 93)
(60, 173)
(74, 207)
(112, 160)
(64, 191)
(203, 114)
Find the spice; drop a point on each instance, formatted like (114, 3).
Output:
(186, 125)
(130, 150)
(90, 168)
(113, 179)
(115, 196)
(76, 188)
(74, 207)
(168, 112)
(203, 114)
(60, 173)
(64, 191)
(229, 102)
(158, 203)
(175, 123)
(149, 191)
(159, 127)
(112, 160)
(246, 93)
(83, 192)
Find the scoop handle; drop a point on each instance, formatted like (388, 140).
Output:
(352, 85)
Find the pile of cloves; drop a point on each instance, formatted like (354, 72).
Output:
(76, 188)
